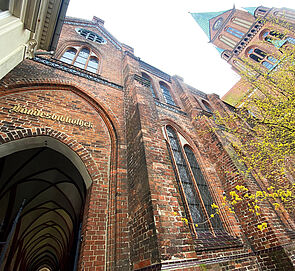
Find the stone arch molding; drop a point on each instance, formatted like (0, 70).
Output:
(110, 119)
(23, 139)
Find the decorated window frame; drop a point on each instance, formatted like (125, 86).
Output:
(82, 57)
(166, 91)
(151, 87)
(193, 186)
(260, 56)
(90, 35)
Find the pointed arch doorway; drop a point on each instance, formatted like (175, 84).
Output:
(43, 189)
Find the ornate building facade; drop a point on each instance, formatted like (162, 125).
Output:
(253, 36)
(106, 165)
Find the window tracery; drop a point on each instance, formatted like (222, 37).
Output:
(82, 57)
(276, 38)
(263, 58)
(167, 94)
(89, 35)
(193, 186)
(207, 106)
(145, 76)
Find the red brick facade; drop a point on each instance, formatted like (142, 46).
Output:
(262, 22)
(132, 218)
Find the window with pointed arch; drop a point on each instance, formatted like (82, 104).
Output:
(166, 93)
(145, 76)
(207, 106)
(276, 38)
(196, 196)
(263, 58)
(81, 57)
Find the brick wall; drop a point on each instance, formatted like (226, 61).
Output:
(133, 214)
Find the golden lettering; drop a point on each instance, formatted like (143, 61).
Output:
(47, 115)
(68, 119)
(23, 110)
(30, 112)
(37, 112)
(15, 108)
(80, 122)
(55, 117)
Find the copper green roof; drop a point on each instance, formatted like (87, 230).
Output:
(251, 10)
(219, 49)
(203, 20)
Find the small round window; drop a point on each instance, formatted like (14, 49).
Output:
(217, 25)
(87, 34)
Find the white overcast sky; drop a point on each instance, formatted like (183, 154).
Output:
(164, 34)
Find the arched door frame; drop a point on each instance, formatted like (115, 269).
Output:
(49, 142)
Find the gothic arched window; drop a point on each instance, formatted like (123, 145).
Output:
(69, 55)
(261, 57)
(276, 38)
(145, 76)
(82, 58)
(196, 196)
(166, 93)
(207, 106)
(202, 186)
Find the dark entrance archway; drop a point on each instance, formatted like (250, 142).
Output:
(42, 196)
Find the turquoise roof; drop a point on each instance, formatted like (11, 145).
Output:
(203, 20)
(219, 49)
(251, 10)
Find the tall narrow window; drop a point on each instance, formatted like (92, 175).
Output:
(92, 64)
(167, 94)
(82, 58)
(145, 76)
(276, 38)
(69, 55)
(241, 22)
(228, 41)
(195, 192)
(235, 32)
(261, 57)
(203, 187)
(207, 106)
